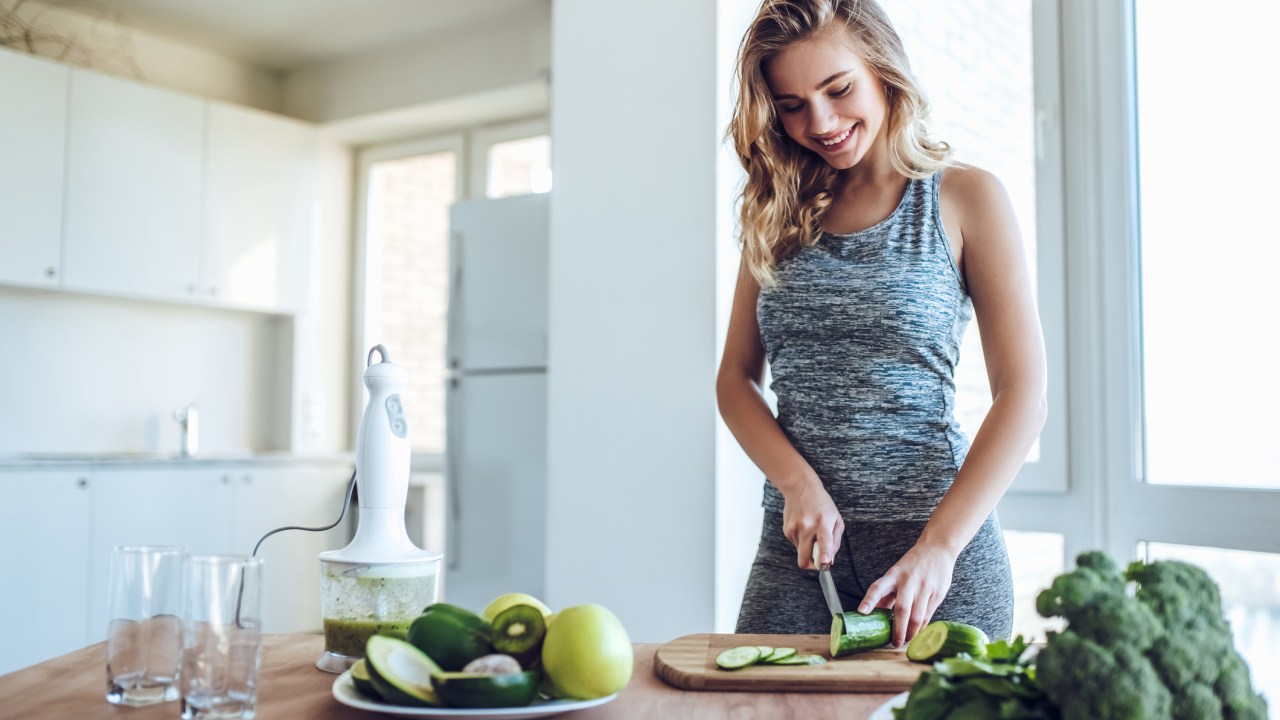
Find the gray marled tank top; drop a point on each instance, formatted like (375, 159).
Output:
(863, 334)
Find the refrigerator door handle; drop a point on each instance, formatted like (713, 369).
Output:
(454, 308)
(451, 484)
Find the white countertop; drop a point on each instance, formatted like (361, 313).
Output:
(115, 459)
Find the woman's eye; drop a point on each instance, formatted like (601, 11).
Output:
(842, 91)
(790, 109)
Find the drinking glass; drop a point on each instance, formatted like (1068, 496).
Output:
(221, 637)
(144, 636)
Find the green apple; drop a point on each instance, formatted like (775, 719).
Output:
(502, 602)
(587, 653)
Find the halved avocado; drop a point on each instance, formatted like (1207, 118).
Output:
(483, 690)
(450, 635)
(400, 672)
(360, 678)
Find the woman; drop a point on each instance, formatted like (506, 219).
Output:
(865, 253)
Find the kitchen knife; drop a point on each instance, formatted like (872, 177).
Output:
(828, 585)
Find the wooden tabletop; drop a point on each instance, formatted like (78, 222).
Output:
(73, 686)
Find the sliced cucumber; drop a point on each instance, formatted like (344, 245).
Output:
(765, 652)
(853, 632)
(738, 657)
(800, 659)
(779, 654)
(943, 639)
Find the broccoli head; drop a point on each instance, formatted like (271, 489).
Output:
(1089, 681)
(1164, 651)
(1180, 593)
(1095, 576)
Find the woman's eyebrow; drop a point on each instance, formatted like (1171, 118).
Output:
(819, 86)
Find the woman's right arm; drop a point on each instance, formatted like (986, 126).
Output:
(810, 516)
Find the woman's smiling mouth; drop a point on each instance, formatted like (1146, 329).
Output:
(836, 142)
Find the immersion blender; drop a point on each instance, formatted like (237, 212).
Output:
(381, 581)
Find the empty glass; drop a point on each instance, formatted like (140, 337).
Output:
(144, 637)
(221, 637)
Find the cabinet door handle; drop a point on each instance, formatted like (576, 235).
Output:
(51, 272)
(82, 483)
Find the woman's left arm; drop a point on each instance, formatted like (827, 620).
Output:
(996, 271)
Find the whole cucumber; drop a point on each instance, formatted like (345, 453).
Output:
(853, 632)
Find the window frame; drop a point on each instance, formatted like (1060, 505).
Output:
(1108, 505)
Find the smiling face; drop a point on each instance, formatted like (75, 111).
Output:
(829, 100)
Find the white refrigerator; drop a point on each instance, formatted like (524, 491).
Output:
(496, 404)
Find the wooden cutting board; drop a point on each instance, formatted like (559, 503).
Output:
(689, 663)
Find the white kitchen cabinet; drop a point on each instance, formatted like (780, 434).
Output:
(32, 153)
(258, 206)
(269, 498)
(194, 508)
(45, 525)
(133, 189)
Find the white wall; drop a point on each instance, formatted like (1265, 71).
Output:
(104, 41)
(488, 57)
(90, 374)
(739, 483)
(631, 426)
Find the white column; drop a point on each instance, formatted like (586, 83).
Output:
(632, 426)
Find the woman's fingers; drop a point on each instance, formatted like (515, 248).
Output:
(879, 594)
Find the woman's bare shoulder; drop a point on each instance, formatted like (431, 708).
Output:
(974, 195)
(969, 184)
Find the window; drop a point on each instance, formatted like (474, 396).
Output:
(406, 229)
(1209, 247)
(989, 72)
(519, 167)
(511, 159)
(1036, 559)
(405, 192)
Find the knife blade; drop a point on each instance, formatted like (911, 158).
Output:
(828, 585)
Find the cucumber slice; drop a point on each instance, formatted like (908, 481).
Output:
(765, 652)
(780, 654)
(800, 659)
(738, 657)
(943, 639)
(853, 632)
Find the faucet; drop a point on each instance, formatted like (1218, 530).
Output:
(189, 416)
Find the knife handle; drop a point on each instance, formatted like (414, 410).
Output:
(817, 564)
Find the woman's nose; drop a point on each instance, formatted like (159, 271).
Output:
(822, 118)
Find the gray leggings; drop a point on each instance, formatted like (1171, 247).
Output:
(782, 598)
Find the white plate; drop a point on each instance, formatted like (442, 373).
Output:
(885, 711)
(344, 691)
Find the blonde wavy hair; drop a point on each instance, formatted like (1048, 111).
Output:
(788, 187)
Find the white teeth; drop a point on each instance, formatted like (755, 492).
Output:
(837, 140)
